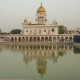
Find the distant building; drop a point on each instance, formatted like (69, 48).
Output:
(0, 31)
(75, 32)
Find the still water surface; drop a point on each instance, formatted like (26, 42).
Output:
(40, 62)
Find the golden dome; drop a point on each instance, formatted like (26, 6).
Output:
(25, 20)
(41, 9)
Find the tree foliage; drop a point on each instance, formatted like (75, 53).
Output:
(16, 31)
(4, 33)
(62, 29)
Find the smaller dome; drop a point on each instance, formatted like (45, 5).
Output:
(25, 20)
(55, 22)
(30, 22)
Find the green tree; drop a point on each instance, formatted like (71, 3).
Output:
(62, 29)
(16, 31)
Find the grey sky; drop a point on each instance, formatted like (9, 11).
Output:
(13, 12)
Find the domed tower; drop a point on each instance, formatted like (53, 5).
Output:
(41, 15)
(25, 21)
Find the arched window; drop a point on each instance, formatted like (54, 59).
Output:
(26, 30)
(52, 30)
(39, 31)
(44, 30)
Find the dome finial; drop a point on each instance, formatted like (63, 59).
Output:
(41, 9)
(25, 20)
(41, 3)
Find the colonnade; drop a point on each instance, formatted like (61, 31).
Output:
(42, 39)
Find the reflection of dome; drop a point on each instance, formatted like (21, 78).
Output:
(41, 9)
(42, 71)
(25, 20)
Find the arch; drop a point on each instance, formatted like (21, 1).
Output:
(66, 39)
(54, 39)
(38, 39)
(70, 39)
(19, 39)
(62, 39)
(23, 39)
(26, 39)
(12, 39)
(42, 39)
(46, 39)
(15, 39)
(31, 39)
(50, 39)
(34, 39)
(58, 39)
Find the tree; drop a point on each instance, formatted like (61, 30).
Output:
(16, 31)
(62, 29)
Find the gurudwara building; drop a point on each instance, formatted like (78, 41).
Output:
(40, 28)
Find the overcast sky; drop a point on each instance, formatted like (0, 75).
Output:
(13, 12)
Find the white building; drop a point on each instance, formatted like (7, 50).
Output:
(40, 28)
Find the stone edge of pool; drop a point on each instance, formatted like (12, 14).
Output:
(15, 79)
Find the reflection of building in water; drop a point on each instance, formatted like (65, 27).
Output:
(46, 51)
(42, 47)
(41, 58)
(2, 47)
(42, 53)
(76, 49)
